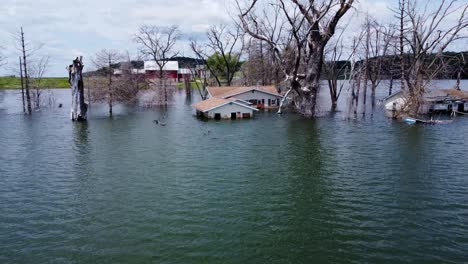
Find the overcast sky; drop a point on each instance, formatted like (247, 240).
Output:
(82, 27)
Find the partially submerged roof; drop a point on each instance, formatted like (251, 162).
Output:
(230, 91)
(435, 95)
(393, 95)
(446, 94)
(215, 102)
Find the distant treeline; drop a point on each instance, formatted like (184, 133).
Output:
(451, 62)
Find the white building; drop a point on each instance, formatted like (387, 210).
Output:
(219, 108)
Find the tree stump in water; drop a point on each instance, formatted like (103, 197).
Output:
(75, 78)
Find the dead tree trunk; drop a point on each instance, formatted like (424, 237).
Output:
(75, 78)
(390, 88)
(111, 96)
(311, 88)
(28, 95)
(22, 84)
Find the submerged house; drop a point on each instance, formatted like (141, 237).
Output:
(219, 108)
(435, 101)
(232, 102)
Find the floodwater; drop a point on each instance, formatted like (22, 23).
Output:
(274, 189)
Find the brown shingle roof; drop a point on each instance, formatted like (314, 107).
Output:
(456, 93)
(225, 92)
(210, 103)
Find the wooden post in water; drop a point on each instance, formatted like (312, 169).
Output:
(75, 78)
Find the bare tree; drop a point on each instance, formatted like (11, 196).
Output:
(115, 79)
(26, 51)
(428, 35)
(158, 43)
(104, 61)
(336, 67)
(222, 53)
(375, 47)
(37, 69)
(260, 66)
(199, 77)
(306, 30)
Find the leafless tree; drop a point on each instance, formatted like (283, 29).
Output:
(199, 77)
(27, 50)
(336, 66)
(224, 47)
(104, 61)
(37, 69)
(375, 48)
(129, 82)
(429, 33)
(260, 68)
(158, 43)
(305, 30)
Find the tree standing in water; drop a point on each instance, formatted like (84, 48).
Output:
(303, 32)
(104, 61)
(75, 78)
(158, 43)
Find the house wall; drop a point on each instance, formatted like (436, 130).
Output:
(227, 109)
(399, 103)
(256, 95)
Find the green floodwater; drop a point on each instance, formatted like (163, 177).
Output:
(274, 189)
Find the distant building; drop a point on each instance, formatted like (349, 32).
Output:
(170, 70)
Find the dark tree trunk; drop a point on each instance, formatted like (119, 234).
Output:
(457, 86)
(358, 92)
(390, 88)
(22, 85)
(25, 68)
(111, 96)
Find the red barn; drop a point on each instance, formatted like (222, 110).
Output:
(170, 70)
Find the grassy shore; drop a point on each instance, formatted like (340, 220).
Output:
(15, 82)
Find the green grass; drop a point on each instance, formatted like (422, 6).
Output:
(15, 82)
(181, 85)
